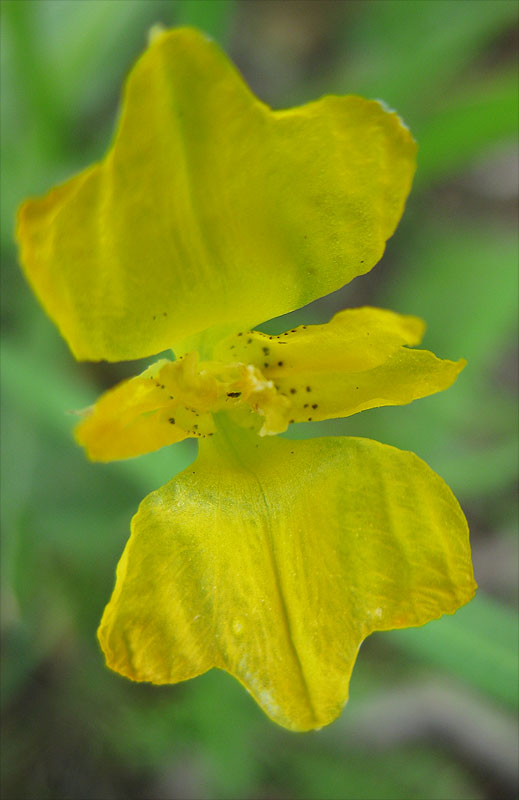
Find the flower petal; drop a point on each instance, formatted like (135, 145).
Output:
(273, 560)
(406, 376)
(211, 212)
(140, 415)
(354, 340)
(356, 361)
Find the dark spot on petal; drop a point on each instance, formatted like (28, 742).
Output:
(293, 391)
(233, 394)
(309, 419)
(266, 351)
(249, 340)
(240, 334)
(291, 421)
(280, 363)
(308, 388)
(306, 405)
(172, 420)
(314, 405)
(195, 427)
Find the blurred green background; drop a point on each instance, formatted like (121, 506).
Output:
(432, 710)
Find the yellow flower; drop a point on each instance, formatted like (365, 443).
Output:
(269, 558)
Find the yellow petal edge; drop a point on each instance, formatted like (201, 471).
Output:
(273, 560)
(212, 212)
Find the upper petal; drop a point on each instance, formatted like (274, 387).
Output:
(211, 212)
(273, 560)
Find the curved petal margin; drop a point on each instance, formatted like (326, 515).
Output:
(273, 560)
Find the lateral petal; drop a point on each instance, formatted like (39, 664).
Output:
(354, 340)
(358, 360)
(211, 212)
(406, 376)
(142, 414)
(273, 560)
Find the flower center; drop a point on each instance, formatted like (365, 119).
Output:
(193, 391)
